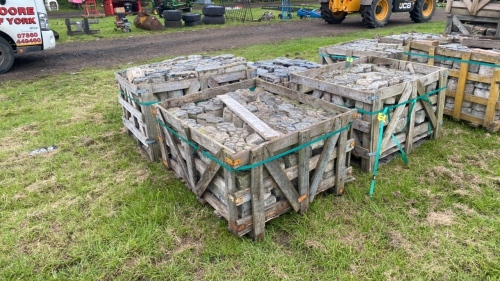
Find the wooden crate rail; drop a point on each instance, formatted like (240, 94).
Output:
(465, 59)
(411, 97)
(232, 182)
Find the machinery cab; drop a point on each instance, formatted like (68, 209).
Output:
(376, 13)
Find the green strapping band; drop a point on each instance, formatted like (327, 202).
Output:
(257, 164)
(403, 154)
(348, 59)
(138, 101)
(385, 112)
(337, 56)
(377, 154)
(422, 97)
(451, 59)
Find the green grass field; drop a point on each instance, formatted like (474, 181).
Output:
(97, 209)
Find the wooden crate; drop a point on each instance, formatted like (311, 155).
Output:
(472, 68)
(409, 128)
(359, 48)
(248, 198)
(475, 11)
(136, 98)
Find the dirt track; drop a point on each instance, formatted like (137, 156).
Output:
(71, 57)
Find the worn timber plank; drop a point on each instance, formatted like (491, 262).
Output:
(248, 117)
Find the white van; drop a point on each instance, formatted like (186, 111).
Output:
(24, 28)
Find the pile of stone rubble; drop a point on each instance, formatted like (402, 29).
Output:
(218, 122)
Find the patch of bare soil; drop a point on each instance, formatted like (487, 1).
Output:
(441, 218)
(106, 53)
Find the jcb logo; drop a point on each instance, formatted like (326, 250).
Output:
(404, 6)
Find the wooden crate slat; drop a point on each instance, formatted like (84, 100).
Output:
(341, 162)
(324, 158)
(303, 170)
(248, 117)
(207, 177)
(391, 126)
(257, 189)
(427, 107)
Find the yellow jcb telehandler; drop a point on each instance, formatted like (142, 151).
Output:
(376, 13)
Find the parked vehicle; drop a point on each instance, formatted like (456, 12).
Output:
(376, 13)
(24, 28)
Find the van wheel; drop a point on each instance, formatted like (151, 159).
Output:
(6, 56)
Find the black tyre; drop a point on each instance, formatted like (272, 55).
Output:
(331, 17)
(187, 10)
(173, 24)
(172, 15)
(191, 17)
(423, 10)
(213, 11)
(6, 56)
(192, 23)
(213, 20)
(377, 14)
(56, 34)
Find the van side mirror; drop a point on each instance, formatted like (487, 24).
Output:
(2, 2)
